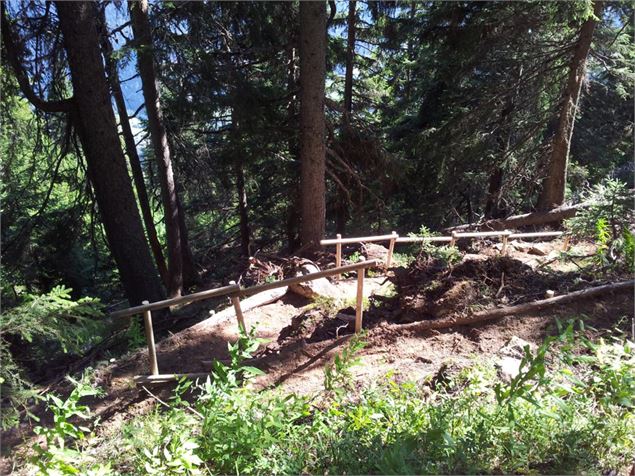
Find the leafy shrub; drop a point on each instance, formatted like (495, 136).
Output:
(61, 453)
(135, 335)
(569, 410)
(403, 259)
(444, 255)
(42, 323)
(606, 220)
(337, 374)
(609, 201)
(355, 257)
(174, 453)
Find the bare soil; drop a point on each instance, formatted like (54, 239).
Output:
(301, 339)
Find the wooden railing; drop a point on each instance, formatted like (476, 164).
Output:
(394, 237)
(339, 241)
(234, 292)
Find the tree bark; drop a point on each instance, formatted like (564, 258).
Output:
(492, 209)
(555, 182)
(505, 131)
(243, 214)
(350, 57)
(131, 151)
(527, 219)
(174, 223)
(107, 170)
(190, 275)
(312, 122)
(341, 200)
(294, 203)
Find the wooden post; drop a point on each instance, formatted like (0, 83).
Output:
(338, 255)
(565, 244)
(391, 249)
(453, 240)
(359, 307)
(152, 351)
(504, 239)
(239, 312)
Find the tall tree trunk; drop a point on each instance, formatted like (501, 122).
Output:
(294, 203)
(492, 209)
(190, 275)
(107, 170)
(554, 184)
(350, 57)
(174, 223)
(237, 160)
(312, 140)
(131, 151)
(504, 139)
(341, 201)
(243, 213)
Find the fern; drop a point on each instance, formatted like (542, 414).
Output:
(42, 322)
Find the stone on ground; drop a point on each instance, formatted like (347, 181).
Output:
(321, 287)
(374, 251)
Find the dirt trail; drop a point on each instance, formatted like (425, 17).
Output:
(301, 342)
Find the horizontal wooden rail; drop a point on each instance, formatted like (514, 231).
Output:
(235, 293)
(415, 239)
(308, 277)
(359, 239)
(537, 234)
(479, 234)
(208, 294)
(160, 378)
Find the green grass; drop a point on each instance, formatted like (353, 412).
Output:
(570, 410)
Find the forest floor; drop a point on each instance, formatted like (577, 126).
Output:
(303, 336)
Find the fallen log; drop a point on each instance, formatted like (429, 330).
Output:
(526, 219)
(499, 312)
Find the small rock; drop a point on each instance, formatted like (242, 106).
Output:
(549, 293)
(536, 250)
(374, 251)
(474, 257)
(315, 288)
(345, 317)
(509, 367)
(423, 360)
(515, 347)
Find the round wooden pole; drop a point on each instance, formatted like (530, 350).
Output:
(391, 249)
(239, 312)
(359, 306)
(504, 239)
(152, 351)
(338, 255)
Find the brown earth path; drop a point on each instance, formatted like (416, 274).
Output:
(297, 364)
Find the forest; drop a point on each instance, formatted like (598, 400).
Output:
(317, 237)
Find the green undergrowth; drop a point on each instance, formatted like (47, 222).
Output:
(569, 410)
(331, 305)
(33, 333)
